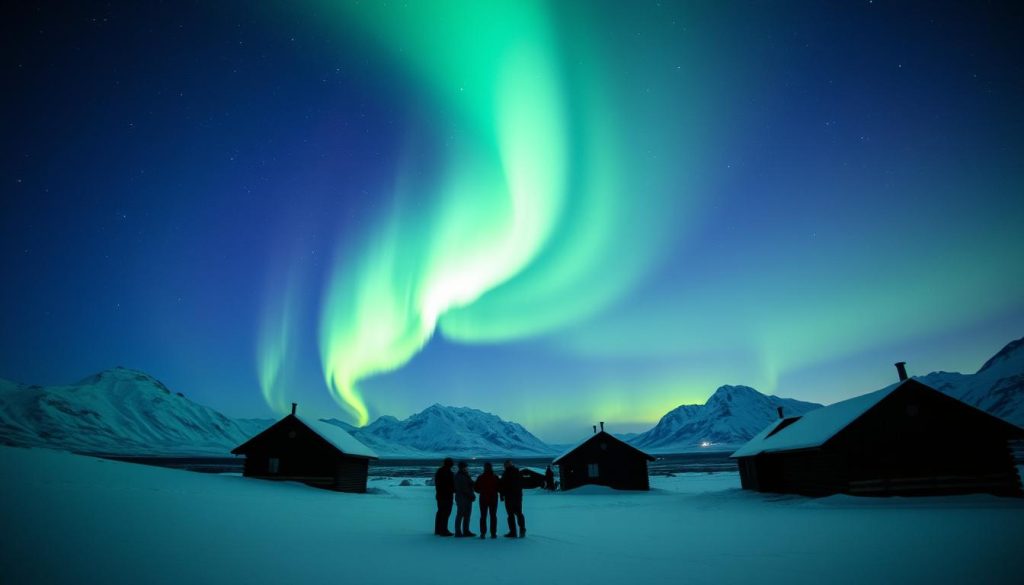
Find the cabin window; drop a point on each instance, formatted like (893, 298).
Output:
(274, 465)
(592, 470)
(291, 434)
(913, 409)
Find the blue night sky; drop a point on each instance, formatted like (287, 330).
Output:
(557, 212)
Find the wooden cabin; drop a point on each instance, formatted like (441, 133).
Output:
(310, 451)
(531, 478)
(603, 460)
(907, 439)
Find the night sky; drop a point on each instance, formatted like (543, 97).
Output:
(557, 212)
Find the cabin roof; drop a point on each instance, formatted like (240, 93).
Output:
(606, 435)
(814, 428)
(336, 436)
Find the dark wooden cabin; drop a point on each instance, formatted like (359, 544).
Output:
(604, 460)
(907, 439)
(531, 478)
(312, 452)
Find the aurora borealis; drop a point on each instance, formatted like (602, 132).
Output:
(514, 224)
(557, 212)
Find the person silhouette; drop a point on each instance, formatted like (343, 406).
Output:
(444, 490)
(487, 486)
(512, 494)
(464, 498)
(549, 479)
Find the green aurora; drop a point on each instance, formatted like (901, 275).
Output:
(569, 164)
(557, 211)
(512, 239)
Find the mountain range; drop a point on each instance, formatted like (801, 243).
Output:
(439, 430)
(128, 412)
(117, 411)
(998, 387)
(728, 419)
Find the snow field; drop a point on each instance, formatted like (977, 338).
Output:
(74, 519)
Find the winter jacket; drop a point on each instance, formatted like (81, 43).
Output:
(512, 484)
(463, 488)
(487, 486)
(444, 484)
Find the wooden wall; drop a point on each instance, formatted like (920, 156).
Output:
(619, 466)
(304, 456)
(916, 441)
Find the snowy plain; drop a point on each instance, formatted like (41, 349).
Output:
(75, 519)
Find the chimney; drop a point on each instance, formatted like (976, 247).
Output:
(602, 426)
(293, 408)
(595, 429)
(780, 413)
(901, 367)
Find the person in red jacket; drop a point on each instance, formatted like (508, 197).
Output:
(487, 486)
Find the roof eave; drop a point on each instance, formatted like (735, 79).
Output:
(241, 449)
(778, 451)
(648, 456)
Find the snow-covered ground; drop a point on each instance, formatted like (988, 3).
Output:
(74, 519)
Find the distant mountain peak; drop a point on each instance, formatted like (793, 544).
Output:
(1012, 351)
(997, 388)
(449, 430)
(730, 417)
(456, 411)
(731, 388)
(728, 391)
(119, 410)
(121, 374)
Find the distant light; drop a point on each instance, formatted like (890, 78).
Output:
(706, 443)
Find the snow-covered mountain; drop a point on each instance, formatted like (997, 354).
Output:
(998, 387)
(127, 412)
(734, 414)
(123, 411)
(117, 411)
(447, 430)
(731, 417)
(254, 426)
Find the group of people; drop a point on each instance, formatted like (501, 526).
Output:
(462, 488)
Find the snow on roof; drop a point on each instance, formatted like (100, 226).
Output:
(749, 447)
(338, 437)
(591, 437)
(815, 427)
